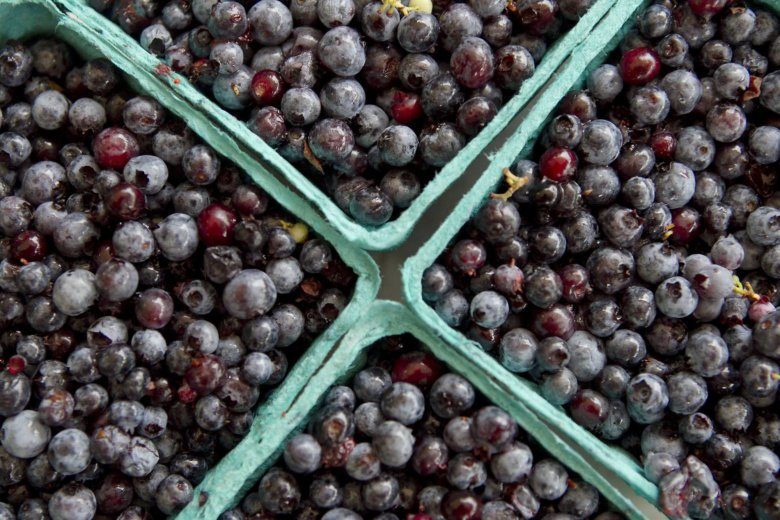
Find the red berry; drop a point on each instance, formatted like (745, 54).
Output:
(589, 409)
(461, 505)
(205, 373)
(113, 147)
(687, 225)
(186, 394)
(760, 308)
(555, 321)
(336, 456)
(663, 144)
(154, 308)
(537, 17)
(215, 224)
(417, 368)
(640, 66)
(16, 365)
(249, 200)
(707, 8)
(406, 107)
(575, 281)
(126, 201)
(28, 246)
(267, 87)
(558, 164)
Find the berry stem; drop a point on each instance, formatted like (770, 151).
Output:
(746, 290)
(515, 183)
(668, 233)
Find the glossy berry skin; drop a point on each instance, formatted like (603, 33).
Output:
(472, 62)
(29, 246)
(126, 201)
(406, 107)
(267, 87)
(663, 144)
(558, 164)
(216, 224)
(114, 147)
(707, 8)
(418, 369)
(639, 66)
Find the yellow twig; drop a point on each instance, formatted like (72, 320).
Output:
(669, 232)
(745, 291)
(515, 183)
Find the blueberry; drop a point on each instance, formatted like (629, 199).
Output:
(173, 493)
(17, 64)
(402, 186)
(74, 292)
(341, 52)
(759, 466)
(437, 144)
(442, 96)
(177, 236)
(548, 479)
(647, 397)
(25, 435)
(72, 501)
(393, 443)
(50, 110)
(514, 65)
(605, 83)
(650, 105)
(331, 140)
(397, 145)
(302, 454)
(707, 353)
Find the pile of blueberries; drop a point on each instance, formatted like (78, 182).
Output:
(369, 98)
(633, 269)
(150, 295)
(410, 440)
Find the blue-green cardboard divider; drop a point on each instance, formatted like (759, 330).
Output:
(586, 56)
(391, 234)
(74, 24)
(385, 318)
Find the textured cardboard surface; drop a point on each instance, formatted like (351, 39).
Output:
(90, 36)
(391, 234)
(586, 56)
